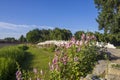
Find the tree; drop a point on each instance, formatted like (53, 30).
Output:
(22, 39)
(56, 34)
(78, 34)
(45, 34)
(33, 36)
(10, 39)
(109, 15)
(66, 34)
(61, 34)
(37, 35)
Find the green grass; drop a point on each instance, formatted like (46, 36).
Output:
(8, 57)
(116, 66)
(34, 57)
(38, 58)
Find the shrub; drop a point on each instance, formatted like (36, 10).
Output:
(75, 59)
(23, 47)
(8, 58)
(7, 69)
(12, 52)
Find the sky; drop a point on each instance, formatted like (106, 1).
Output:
(17, 17)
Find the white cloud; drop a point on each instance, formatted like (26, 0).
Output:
(10, 29)
(11, 26)
(16, 26)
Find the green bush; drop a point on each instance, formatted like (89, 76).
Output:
(23, 47)
(13, 53)
(7, 69)
(8, 58)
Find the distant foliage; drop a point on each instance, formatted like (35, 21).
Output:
(111, 38)
(22, 39)
(33, 36)
(78, 35)
(37, 35)
(10, 39)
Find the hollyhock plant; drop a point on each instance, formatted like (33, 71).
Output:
(35, 70)
(18, 75)
(26, 75)
(83, 37)
(74, 60)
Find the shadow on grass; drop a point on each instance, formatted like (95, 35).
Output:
(27, 61)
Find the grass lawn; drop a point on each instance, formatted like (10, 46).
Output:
(38, 58)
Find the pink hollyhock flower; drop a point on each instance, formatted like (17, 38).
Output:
(93, 37)
(55, 59)
(83, 37)
(77, 42)
(52, 67)
(67, 45)
(78, 50)
(87, 37)
(38, 78)
(18, 75)
(35, 70)
(56, 67)
(65, 59)
(73, 40)
(81, 42)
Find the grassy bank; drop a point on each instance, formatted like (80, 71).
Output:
(27, 57)
(9, 56)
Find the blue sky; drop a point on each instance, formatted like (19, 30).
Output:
(17, 17)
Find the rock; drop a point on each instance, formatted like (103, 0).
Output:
(89, 76)
(113, 73)
(112, 77)
(93, 77)
(100, 68)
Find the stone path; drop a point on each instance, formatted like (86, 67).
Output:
(116, 53)
(113, 73)
(104, 68)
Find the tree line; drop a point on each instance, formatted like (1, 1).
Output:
(37, 35)
(40, 35)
